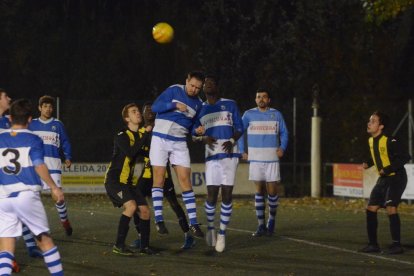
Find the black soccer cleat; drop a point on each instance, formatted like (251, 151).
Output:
(395, 249)
(122, 251)
(162, 230)
(68, 228)
(261, 231)
(195, 229)
(148, 251)
(370, 248)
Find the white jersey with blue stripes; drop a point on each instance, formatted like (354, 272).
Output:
(220, 120)
(20, 151)
(54, 137)
(266, 131)
(170, 123)
(4, 123)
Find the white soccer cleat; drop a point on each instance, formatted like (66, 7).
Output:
(221, 243)
(211, 237)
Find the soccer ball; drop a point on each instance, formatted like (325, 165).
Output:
(163, 32)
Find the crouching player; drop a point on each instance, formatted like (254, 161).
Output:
(21, 162)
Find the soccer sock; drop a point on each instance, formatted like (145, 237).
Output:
(210, 214)
(157, 197)
(184, 224)
(6, 259)
(225, 214)
(63, 212)
(123, 228)
(136, 222)
(189, 201)
(273, 202)
(144, 225)
(28, 238)
(53, 262)
(395, 228)
(372, 224)
(260, 207)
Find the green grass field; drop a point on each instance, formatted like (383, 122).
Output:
(313, 237)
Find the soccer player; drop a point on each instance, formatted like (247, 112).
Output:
(145, 181)
(220, 121)
(128, 145)
(177, 108)
(56, 141)
(267, 139)
(4, 106)
(21, 165)
(387, 155)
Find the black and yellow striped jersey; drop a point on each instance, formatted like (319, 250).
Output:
(387, 154)
(128, 145)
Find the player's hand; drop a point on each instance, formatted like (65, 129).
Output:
(200, 130)
(228, 146)
(210, 141)
(57, 194)
(148, 128)
(279, 152)
(181, 107)
(68, 163)
(381, 172)
(245, 156)
(365, 165)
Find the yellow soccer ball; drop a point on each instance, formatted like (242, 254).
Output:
(163, 32)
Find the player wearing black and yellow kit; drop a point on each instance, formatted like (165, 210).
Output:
(144, 185)
(389, 159)
(128, 145)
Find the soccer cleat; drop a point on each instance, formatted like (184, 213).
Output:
(395, 249)
(35, 253)
(122, 251)
(136, 244)
(370, 248)
(189, 242)
(261, 231)
(221, 243)
(68, 227)
(15, 267)
(148, 251)
(162, 230)
(195, 229)
(270, 227)
(211, 237)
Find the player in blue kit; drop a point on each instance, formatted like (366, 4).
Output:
(177, 108)
(56, 141)
(221, 124)
(267, 139)
(4, 106)
(21, 164)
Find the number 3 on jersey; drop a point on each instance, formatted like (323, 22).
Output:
(11, 157)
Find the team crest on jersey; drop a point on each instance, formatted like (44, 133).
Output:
(223, 107)
(120, 194)
(54, 128)
(272, 116)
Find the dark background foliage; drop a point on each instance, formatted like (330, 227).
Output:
(96, 56)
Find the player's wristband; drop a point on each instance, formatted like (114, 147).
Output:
(232, 141)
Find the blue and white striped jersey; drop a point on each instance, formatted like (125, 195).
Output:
(4, 123)
(171, 123)
(54, 137)
(220, 121)
(264, 129)
(20, 151)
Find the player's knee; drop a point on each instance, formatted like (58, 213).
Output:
(391, 210)
(144, 212)
(372, 208)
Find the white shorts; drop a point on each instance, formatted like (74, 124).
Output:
(221, 171)
(263, 171)
(57, 177)
(25, 208)
(162, 150)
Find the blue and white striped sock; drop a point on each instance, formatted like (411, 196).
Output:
(273, 202)
(62, 211)
(28, 239)
(259, 204)
(190, 205)
(53, 262)
(210, 214)
(225, 214)
(6, 259)
(157, 198)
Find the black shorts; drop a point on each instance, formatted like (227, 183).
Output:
(144, 185)
(120, 193)
(388, 190)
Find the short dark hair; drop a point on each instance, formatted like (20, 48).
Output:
(20, 111)
(213, 77)
(263, 90)
(46, 99)
(197, 75)
(382, 118)
(126, 109)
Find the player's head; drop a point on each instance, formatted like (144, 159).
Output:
(194, 83)
(147, 113)
(377, 123)
(211, 84)
(21, 112)
(46, 105)
(4, 101)
(131, 115)
(262, 98)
